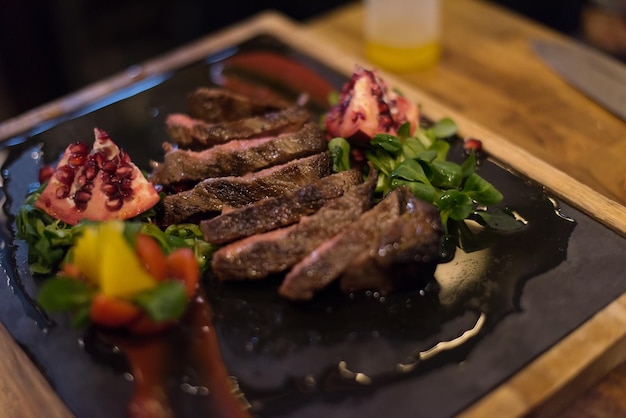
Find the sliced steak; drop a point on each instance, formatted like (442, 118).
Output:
(277, 212)
(368, 241)
(238, 157)
(327, 261)
(221, 105)
(215, 194)
(193, 133)
(260, 255)
(405, 256)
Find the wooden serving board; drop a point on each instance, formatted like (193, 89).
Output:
(541, 388)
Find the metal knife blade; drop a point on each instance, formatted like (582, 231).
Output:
(597, 75)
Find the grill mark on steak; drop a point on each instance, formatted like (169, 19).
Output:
(272, 213)
(260, 255)
(192, 133)
(238, 157)
(220, 105)
(359, 242)
(214, 194)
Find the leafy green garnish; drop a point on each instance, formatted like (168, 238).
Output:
(65, 294)
(443, 128)
(48, 239)
(166, 301)
(340, 152)
(420, 162)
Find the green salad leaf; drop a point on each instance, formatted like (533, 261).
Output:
(340, 152)
(65, 294)
(168, 300)
(48, 239)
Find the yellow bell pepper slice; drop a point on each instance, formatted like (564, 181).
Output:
(85, 254)
(104, 256)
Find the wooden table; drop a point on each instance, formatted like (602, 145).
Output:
(489, 73)
(488, 77)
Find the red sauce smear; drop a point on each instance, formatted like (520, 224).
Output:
(208, 357)
(148, 368)
(150, 357)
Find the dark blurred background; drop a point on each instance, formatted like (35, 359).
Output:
(49, 48)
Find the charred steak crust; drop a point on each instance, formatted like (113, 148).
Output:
(220, 105)
(238, 157)
(214, 194)
(196, 134)
(277, 212)
(260, 255)
(400, 230)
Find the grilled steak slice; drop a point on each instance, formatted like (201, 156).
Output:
(327, 261)
(214, 194)
(405, 256)
(221, 105)
(272, 213)
(196, 134)
(375, 231)
(238, 157)
(260, 255)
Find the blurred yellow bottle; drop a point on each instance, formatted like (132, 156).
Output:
(402, 35)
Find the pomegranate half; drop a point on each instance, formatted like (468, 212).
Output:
(96, 184)
(368, 106)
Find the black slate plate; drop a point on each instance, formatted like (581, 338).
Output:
(541, 283)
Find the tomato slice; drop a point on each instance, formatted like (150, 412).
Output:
(70, 270)
(112, 312)
(182, 265)
(151, 256)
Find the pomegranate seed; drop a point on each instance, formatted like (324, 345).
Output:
(82, 196)
(109, 188)
(45, 173)
(82, 180)
(81, 206)
(79, 148)
(108, 178)
(114, 204)
(65, 174)
(99, 158)
(124, 171)
(126, 193)
(91, 171)
(126, 184)
(62, 192)
(109, 166)
(473, 144)
(76, 160)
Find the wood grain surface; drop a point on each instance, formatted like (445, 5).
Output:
(24, 392)
(488, 77)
